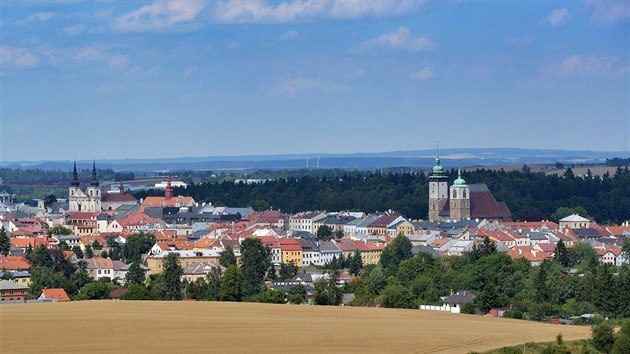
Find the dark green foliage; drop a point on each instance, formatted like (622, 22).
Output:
(483, 249)
(227, 257)
(603, 337)
(172, 272)
(255, 261)
(231, 284)
(562, 255)
(77, 251)
(95, 291)
(356, 263)
(396, 296)
(324, 233)
(213, 280)
(136, 292)
(269, 296)
(5, 242)
(468, 308)
(530, 196)
(327, 292)
(563, 212)
(59, 230)
(288, 270)
(88, 252)
(394, 253)
(135, 274)
(136, 245)
(513, 314)
(296, 294)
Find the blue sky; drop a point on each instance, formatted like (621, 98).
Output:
(193, 78)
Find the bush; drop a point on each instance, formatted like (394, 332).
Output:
(513, 314)
(603, 337)
(468, 308)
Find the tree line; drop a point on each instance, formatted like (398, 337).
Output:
(530, 196)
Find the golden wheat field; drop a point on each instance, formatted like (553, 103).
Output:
(221, 327)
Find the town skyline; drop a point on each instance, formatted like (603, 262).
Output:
(264, 78)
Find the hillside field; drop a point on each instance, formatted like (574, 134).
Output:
(177, 327)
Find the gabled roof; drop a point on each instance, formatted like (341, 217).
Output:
(10, 285)
(574, 218)
(346, 245)
(56, 293)
(484, 206)
(289, 244)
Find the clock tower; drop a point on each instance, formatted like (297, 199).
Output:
(438, 191)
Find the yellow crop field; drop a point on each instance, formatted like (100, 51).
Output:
(201, 327)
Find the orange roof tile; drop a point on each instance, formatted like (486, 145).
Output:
(57, 293)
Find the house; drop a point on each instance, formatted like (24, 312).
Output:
(310, 252)
(304, 221)
(328, 252)
(456, 300)
(99, 267)
(347, 247)
(198, 270)
(610, 255)
(19, 277)
(273, 218)
(574, 221)
(14, 263)
(291, 251)
(534, 256)
(10, 291)
(56, 294)
(273, 244)
(186, 258)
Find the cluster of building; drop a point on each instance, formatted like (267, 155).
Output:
(460, 216)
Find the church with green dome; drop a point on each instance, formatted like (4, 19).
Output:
(461, 201)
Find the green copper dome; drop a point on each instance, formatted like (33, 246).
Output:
(437, 169)
(459, 182)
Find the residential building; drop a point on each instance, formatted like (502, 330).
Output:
(10, 291)
(291, 251)
(55, 294)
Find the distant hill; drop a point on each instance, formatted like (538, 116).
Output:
(464, 157)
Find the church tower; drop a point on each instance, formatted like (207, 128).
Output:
(74, 191)
(438, 191)
(168, 193)
(94, 192)
(460, 199)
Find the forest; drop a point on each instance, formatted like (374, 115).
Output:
(530, 196)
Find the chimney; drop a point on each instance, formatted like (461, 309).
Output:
(451, 292)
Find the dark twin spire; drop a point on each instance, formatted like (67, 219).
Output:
(94, 181)
(75, 176)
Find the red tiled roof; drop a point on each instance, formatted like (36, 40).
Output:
(117, 198)
(289, 244)
(160, 202)
(57, 293)
(484, 206)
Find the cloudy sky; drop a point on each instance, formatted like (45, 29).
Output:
(193, 78)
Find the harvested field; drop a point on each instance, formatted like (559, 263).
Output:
(176, 327)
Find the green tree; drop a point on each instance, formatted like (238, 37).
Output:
(622, 343)
(326, 291)
(603, 337)
(296, 294)
(231, 284)
(324, 232)
(135, 274)
(269, 296)
(483, 249)
(562, 255)
(213, 279)
(227, 257)
(97, 246)
(255, 261)
(356, 263)
(172, 272)
(5, 242)
(137, 245)
(63, 245)
(625, 249)
(137, 292)
(80, 278)
(88, 251)
(59, 230)
(394, 253)
(396, 296)
(338, 234)
(96, 291)
(260, 205)
(77, 251)
(288, 270)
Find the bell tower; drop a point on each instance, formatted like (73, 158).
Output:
(438, 191)
(460, 198)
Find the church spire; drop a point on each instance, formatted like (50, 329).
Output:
(75, 176)
(94, 181)
(169, 189)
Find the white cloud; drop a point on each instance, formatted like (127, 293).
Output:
(291, 84)
(291, 11)
(520, 41)
(610, 12)
(41, 16)
(423, 74)
(17, 56)
(557, 18)
(597, 67)
(160, 15)
(74, 30)
(289, 35)
(118, 60)
(401, 40)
